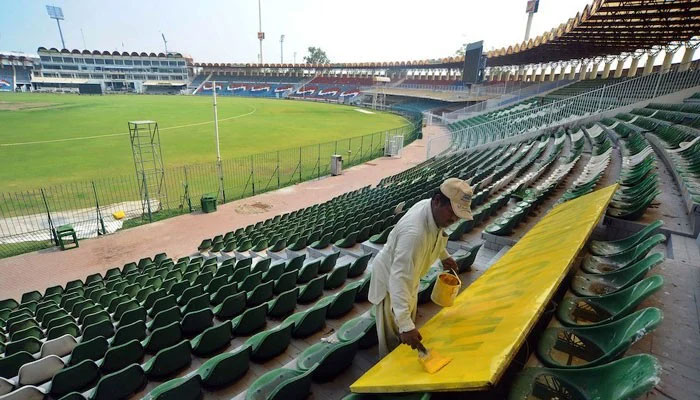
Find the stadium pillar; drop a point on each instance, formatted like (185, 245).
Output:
(606, 70)
(687, 58)
(666, 66)
(582, 72)
(594, 70)
(572, 73)
(632, 71)
(649, 66)
(543, 71)
(620, 66)
(553, 72)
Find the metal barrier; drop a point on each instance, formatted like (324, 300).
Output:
(514, 92)
(558, 112)
(28, 218)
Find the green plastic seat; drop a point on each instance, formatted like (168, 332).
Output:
(195, 304)
(328, 262)
(190, 293)
(363, 291)
(295, 263)
(30, 345)
(135, 330)
(584, 284)
(348, 241)
(118, 357)
(327, 360)
(163, 337)
(74, 378)
(231, 307)
(611, 248)
(93, 349)
(223, 292)
(11, 363)
(281, 384)
(212, 339)
(226, 368)
(251, 321)
(597, 264)
(8, 304)
(361, 329)
(283, 304)
(274, 272)
(187, 388)
(627, 378)
(195, 322)
(262, 265)
(162, 304)
(589, 311)
(260, 294)
(337, 277)
(312, 290)
(168, 360)
(359, 266)
(381, 238)
(308, 271)
(103, 328)
(323, 242)
(21, 323)
(309, 321)
(571, 347)
(299, 244)
(239, 274)
(120, 384)
(33, 331)
(165, 317)
(178, 289)
(287, 281)
(340, 303)
(250, 282)
(465, 260)
(270, 343)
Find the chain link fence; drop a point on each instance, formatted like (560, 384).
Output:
(29, 218)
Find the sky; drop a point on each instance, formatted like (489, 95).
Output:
(226, 30)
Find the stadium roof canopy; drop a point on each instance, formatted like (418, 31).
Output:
(608, 27)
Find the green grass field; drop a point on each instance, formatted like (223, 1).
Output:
(47, 139)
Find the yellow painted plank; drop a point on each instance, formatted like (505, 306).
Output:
(490, 320)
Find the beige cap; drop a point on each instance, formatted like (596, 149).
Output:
(460, 194)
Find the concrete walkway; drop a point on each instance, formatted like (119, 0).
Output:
(181, 235)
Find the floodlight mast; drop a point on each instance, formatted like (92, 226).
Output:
(261, 34)
(219, 170)
(57, 14)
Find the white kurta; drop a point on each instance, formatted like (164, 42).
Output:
(412, 247)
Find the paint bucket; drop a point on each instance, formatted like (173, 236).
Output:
(446, 289)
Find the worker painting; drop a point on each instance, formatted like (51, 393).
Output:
(415, 243)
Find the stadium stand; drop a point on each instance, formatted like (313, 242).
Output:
(90, 337)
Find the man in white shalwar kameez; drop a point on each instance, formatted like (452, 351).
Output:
(414, 244)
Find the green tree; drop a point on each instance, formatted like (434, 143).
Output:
(460, 50)
(316, 56)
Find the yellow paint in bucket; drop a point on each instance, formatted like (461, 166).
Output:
(446, 289)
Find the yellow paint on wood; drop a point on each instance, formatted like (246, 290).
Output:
(489, 320)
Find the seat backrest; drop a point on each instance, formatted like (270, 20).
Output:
(92, 349)
(39, 371)
(61, 346)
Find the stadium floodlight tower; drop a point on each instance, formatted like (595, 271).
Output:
(531, 9)
(261, 34)
(148, 162)
(57, 14)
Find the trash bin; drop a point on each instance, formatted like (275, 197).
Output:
(336, 164)
(208, 202)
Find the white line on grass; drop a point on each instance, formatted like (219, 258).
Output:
(125, 133)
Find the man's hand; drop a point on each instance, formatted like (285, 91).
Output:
(451, 264)
(411, 338)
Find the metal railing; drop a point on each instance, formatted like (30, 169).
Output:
(559, 112)
(28, 218)
(514, 92)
